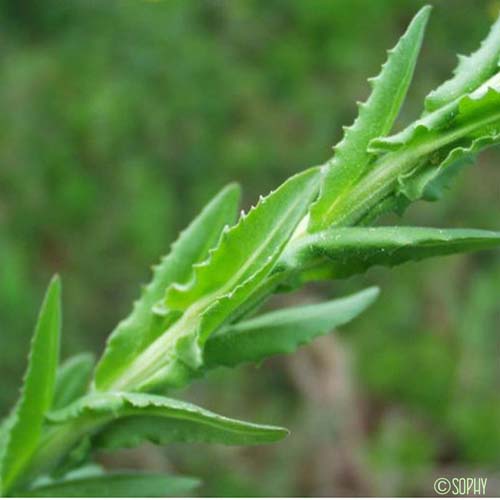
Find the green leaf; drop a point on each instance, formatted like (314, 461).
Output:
(128, 419)
(424, 144)
(38, 390)
(422, 160)
(135, 331)
(471, 71)
(89, 469)
(5, 427)
(73, 378)
(431, 182)
(124, 484)
(219, 286)
(470, 117)
(282, 331)
(342, 252)
(376, 118)
(250, 245)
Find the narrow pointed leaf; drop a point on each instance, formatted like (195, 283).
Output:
(471, 116)
(376, 118)
(37, 394)
(125, 484)
(248, 246)
(431, 182)
(192, 246)
(234, 271)
(432, 150)
(73, 378)
(128, 419)
(342, 252)
(469, 123)
(471, 71)
(283, 331)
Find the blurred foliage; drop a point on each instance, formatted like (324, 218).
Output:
(121, 118)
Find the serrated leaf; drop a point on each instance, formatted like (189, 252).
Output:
(137, 417)
(430, 183)
(122, 484)
(431, 180)
(470, 73)
(472, 115)
(248, 246)
(25, 427)
(233, 272)
(342, 252)
(424, 144)
(193, 244)
(282, 331)
(73, 378)
(422, 160)
(376, 117)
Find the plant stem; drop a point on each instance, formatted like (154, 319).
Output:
(56, 442)
(351, 207)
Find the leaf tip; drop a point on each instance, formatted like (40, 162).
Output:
(372, 294)
(422, 16)
(232, 189)
(280, 433)
(55, 283)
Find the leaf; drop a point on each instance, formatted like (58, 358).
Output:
(248, 246)
(5, 428)
(73, 378)
(131, 418)
(376, 118)
(470, 72)
(431, 151)
(90, 469)
(342, 252)
(422, 160)
(133, 333)
(471, 116)
(38, 390)
(282, 331)
(124, 484)
(431, 182)
(233, 271)
(423, 145)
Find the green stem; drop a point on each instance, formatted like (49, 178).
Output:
(380, 181)
(349, 210)
(56, 442)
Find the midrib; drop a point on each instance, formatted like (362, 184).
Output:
(153, 357)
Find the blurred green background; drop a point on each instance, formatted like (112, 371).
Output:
(120, 119)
